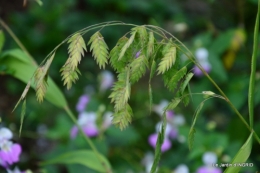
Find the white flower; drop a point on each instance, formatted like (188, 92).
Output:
(5, 134)
(160, 107)
(148, 162)
(107, 120)
(209, 158)
(182, 169)
(202, 54)
(107, 80)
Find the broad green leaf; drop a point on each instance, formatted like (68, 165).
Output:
(83, 157)
(242, 155)
(20, 67)
(2, 39)
(192, 129)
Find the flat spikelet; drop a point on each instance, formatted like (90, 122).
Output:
(114, 55)
(121, 90)
(168, 60)
(69, 70)
(41, 79)
(123, 117)
(138, 68)
(99, 49)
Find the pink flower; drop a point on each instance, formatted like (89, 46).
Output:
(209, 158)
(82, 103)
(201, 55)
(137, 54)
(87, 121)
(166, 143)
(10, 152)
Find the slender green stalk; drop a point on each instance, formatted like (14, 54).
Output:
(18, 42)
(253, 70)
(92, 146)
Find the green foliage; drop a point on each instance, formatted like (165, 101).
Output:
(69, 71)
(83, 157)
(99, 49)
(138, 68)
(242, 156)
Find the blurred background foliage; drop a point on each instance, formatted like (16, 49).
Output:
(224, 28)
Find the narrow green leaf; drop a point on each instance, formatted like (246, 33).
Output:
(2, 39)
(22, 117)
(186, 81)
(159, 143)
(127, 45)
(242, 155)
(192, 129)
(83, 157)
(167, 61)
(176, 78)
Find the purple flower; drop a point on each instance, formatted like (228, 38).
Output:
(202, 58)
(205, 65)
(107, 80)
(87, 121)
(10, 152)
(137, 54)
(82, 103)
(148, 162)
(209, 158)
(209, 169)
(166, 143)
